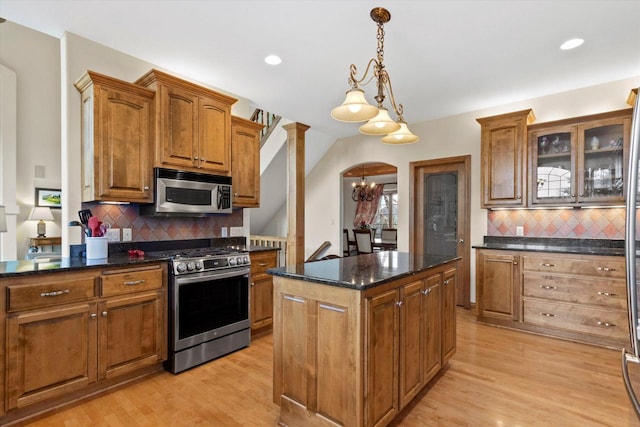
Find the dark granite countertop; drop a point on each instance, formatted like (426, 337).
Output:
(57, 264)
(363, 271)
(555, 245)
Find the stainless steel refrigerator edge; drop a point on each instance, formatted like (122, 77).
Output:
(631, 257)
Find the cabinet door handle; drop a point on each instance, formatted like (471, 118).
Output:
(446, 282)
(329, 307)
(55, 293)
(195, 158)
(548, 287)
(607, 294)
(547, 314)
(515, 262)
(399, 303)
(253, 284)
(104, 314)
(606, 269)
(294, 299)
(426, 291)
(146, 187)
(546, 264)
(133, 282)
(606, 324)
(93, 315)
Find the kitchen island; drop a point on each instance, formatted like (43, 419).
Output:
(357, 338)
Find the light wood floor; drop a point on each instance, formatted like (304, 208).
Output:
(497, 378)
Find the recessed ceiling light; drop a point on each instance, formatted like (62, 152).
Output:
(571, 44)
(273, 60)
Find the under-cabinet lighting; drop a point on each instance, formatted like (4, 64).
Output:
(114, 203)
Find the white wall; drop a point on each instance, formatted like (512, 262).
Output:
(449, 136)
(35, 59)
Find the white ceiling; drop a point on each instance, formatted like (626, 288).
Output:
(444, 56)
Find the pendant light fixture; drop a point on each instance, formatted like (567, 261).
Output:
(363, 192)
(355, 107)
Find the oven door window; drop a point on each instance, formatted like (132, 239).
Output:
(211, 304)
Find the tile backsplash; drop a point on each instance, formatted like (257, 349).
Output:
(148, 228)
(597, 223)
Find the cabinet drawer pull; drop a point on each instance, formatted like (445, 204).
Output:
(426, 291)
(55, 293)
(547, 314)
(328, 307)
(546, 264)
(263, 264)
(133, 282)
(606, 324)
(607, 294)
(294, 299)
(446, 282)
(548, 287)
(606, 269)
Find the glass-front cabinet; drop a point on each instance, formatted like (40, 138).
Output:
(580, 161)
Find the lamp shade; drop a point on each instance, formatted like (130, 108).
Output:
(381, 124)
(3, 220)
(355, 108)
(41, 213)
(401, 136)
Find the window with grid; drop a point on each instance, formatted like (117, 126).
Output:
(387, 214)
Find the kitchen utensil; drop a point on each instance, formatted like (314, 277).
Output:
(104, 227)
(85, 230)
(84, 215)
(94, 226)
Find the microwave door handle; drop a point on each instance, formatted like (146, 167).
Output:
(219, 198)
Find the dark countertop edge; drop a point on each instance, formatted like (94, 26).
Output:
(281, 272)
(256, 248)
(533, 247)
(75, 264)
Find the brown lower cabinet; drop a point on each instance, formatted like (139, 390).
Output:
(261, 294)
(349, 357)
(70, 334)
(571, 296)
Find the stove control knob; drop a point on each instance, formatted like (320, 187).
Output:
(199, 265)
(245, 259)
(181, 267)
(239, 260)
(232, 261)
(191, 266)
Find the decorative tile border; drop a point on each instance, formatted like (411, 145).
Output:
(148, 228)
(600, 223)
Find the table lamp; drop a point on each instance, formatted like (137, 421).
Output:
(3, 220)
(41, 214)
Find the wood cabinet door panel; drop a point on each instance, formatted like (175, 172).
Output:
(214, 138)
(49, 353)
(245, 156)
(576, 289)
(179, 119)
(411, 335)
(124, 170)
(382, 358)
(261, 301)
(448, 315)
(432, 309)
(496, 290)
(130, 333)
(333, 367)
(294, 348)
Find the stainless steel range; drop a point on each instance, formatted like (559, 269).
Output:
(208, 305)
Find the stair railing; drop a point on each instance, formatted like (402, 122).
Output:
(269, 120)
(272, 242)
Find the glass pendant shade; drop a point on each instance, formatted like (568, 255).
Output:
(381, 124)
(355, 108)
(401, 136)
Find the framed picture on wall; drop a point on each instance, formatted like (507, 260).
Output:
(49, 197)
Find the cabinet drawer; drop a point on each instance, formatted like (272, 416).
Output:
(50, 291)
(596, 266)
(605, 322)
(574, 289)
(262, 261)
(131, 281)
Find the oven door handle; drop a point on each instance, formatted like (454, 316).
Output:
(198, 277)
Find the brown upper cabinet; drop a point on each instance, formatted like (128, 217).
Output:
(192, 125)
(245, 162)
(117, 128)
(503, 158)
(579, 161)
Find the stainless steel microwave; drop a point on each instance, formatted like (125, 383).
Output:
(184, 193)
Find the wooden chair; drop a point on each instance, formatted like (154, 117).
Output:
(364, 244)
(389, 235)
(347, 248)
